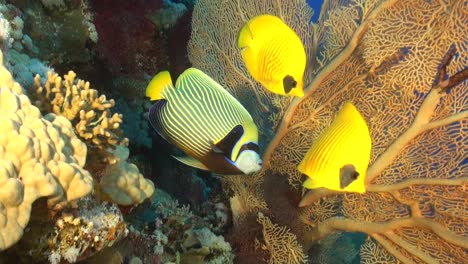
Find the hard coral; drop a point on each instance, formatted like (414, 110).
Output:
(91, 116)
(39, 157)
(123, 182)
(89, 113)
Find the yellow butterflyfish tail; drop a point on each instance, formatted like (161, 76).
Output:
(346, 142)
(156, 86)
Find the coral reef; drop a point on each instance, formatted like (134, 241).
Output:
(382, 55)
(19, 50)
(169, 232)
(89, 113)
(62, 31)
(92, 228)
(123, 182)
(40, 157)
(94, 123)
(281, 244)
(168, 15)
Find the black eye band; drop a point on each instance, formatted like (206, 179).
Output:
(249, 146)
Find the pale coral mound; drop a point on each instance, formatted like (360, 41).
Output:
(39, 157)
(123, 182)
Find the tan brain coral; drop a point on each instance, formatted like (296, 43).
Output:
(39, 157)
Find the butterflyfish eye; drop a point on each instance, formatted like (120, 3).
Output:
(289, 83)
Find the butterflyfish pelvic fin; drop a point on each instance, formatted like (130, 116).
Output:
(189, 161)
(156, 86)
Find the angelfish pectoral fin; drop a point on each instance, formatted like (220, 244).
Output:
(191, 162)
(348, 174)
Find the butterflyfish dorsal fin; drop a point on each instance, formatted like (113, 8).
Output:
(156, 86)
(192, 162)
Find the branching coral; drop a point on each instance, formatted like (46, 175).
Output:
(91, 116)
(89, 113)
(39, 157)
(389, 58)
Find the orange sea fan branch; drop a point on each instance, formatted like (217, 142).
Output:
(419, 181)
(336, 223)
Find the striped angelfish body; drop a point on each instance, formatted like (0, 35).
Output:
(197, 114)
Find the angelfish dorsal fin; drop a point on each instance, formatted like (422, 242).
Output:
(191, 162)
(156, 86)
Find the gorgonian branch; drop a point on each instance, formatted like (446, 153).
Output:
(422, 122)
(338, 223)
(419, 181)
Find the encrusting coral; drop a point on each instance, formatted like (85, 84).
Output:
(403, 64)
(40, 156)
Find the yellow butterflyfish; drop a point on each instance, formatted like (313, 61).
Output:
(273, 54)
(205, 121)
(339, 157)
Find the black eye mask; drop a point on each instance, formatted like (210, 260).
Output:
(289, 83)
(348, 174)
(249, 146)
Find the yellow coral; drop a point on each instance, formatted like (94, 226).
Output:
(89, 113)
(39, 157)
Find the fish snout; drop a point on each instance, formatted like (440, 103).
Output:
(249, 162)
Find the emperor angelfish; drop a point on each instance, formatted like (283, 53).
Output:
(206, 122)
(273, 54)
(339, 157)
